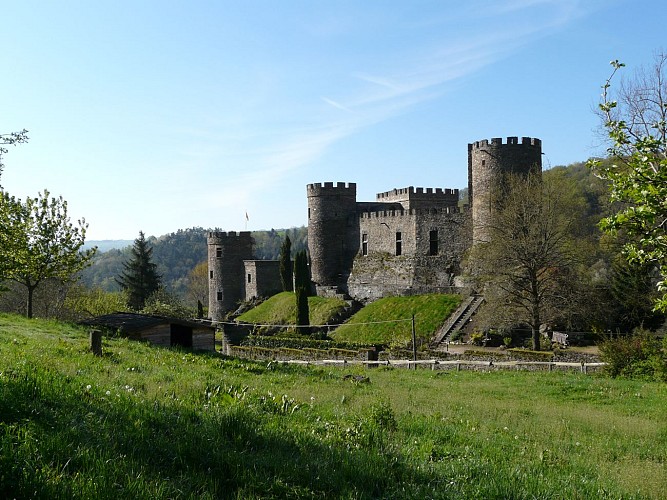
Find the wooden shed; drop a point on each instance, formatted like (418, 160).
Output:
(158, 330)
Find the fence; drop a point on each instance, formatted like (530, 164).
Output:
(435, 364)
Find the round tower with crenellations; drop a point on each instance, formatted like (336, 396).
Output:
(488, 163)
(333, 229)
(226, 253)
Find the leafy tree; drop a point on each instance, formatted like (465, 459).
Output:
(40, 243)
(635, 119)
(198, 284)
(163, 303)
(83, 303)
(301, 289)
(529, 266)
(139, 277)
(12, 138)
(286, 265)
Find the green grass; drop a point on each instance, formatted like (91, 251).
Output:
(430, 313)
(281, 310)
(144, 422)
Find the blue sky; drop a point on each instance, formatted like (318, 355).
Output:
(164, 115)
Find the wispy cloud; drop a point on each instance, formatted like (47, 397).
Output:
(336, 104)
(397, 83)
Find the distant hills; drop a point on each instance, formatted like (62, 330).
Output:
(176, 254)
(105, 245)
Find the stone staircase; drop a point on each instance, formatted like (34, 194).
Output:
(456, 321)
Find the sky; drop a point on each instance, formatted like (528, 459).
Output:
(162, 115)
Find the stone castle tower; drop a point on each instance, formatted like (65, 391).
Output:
(333, 231)
(226, 254)
(488, 162)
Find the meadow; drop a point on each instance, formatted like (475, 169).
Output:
(145, 422)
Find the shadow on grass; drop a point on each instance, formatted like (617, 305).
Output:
(59, 441)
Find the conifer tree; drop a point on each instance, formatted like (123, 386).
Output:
(301, 284)
(139, 277)
(286, 265)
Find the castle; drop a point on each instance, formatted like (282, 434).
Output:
(407, 241)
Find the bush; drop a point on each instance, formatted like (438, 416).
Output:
(639, 355)
(476, 338)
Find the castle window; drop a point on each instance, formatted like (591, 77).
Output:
(218, 252)
(483, 162)
(219, 296)
(399, 243)
(249, 278)
(433, 242)
(308, 212)
(364, 244)
(210, 274)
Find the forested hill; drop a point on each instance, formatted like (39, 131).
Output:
(176, 254)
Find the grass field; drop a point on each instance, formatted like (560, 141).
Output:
(430, 312)
(280, 309)
(142, 422)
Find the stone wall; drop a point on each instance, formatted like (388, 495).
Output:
(381, 272)
(262, 278)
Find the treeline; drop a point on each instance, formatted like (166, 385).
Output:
(176, 255)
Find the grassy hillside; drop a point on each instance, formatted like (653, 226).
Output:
(144, 422)
(281, 310)
(430, 312)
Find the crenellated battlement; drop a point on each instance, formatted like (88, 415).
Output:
(228, 234)
(382, 214)
(420, 191)
(323, 189)
(229, 237)
(511, 141)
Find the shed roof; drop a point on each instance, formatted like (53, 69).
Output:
(133, 322)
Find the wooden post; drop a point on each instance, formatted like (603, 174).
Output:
(96, 342)
(414, 342)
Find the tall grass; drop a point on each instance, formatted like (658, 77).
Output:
(144, 422)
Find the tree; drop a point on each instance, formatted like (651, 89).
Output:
(635, 120)
(38, 242)
(286, 265)
(633, 293)
(301, 289)
(139, 276)
(163, 303)
(13, 138)
(528, 267)
(198, 283)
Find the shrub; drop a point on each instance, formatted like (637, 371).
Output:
(477, 338)
(639, 355)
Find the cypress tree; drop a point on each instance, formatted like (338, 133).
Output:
(286, 265)
(139, 277)
(301, 283)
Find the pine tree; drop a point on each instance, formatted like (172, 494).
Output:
(286, 265)
(301, 285)
(139, 276)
